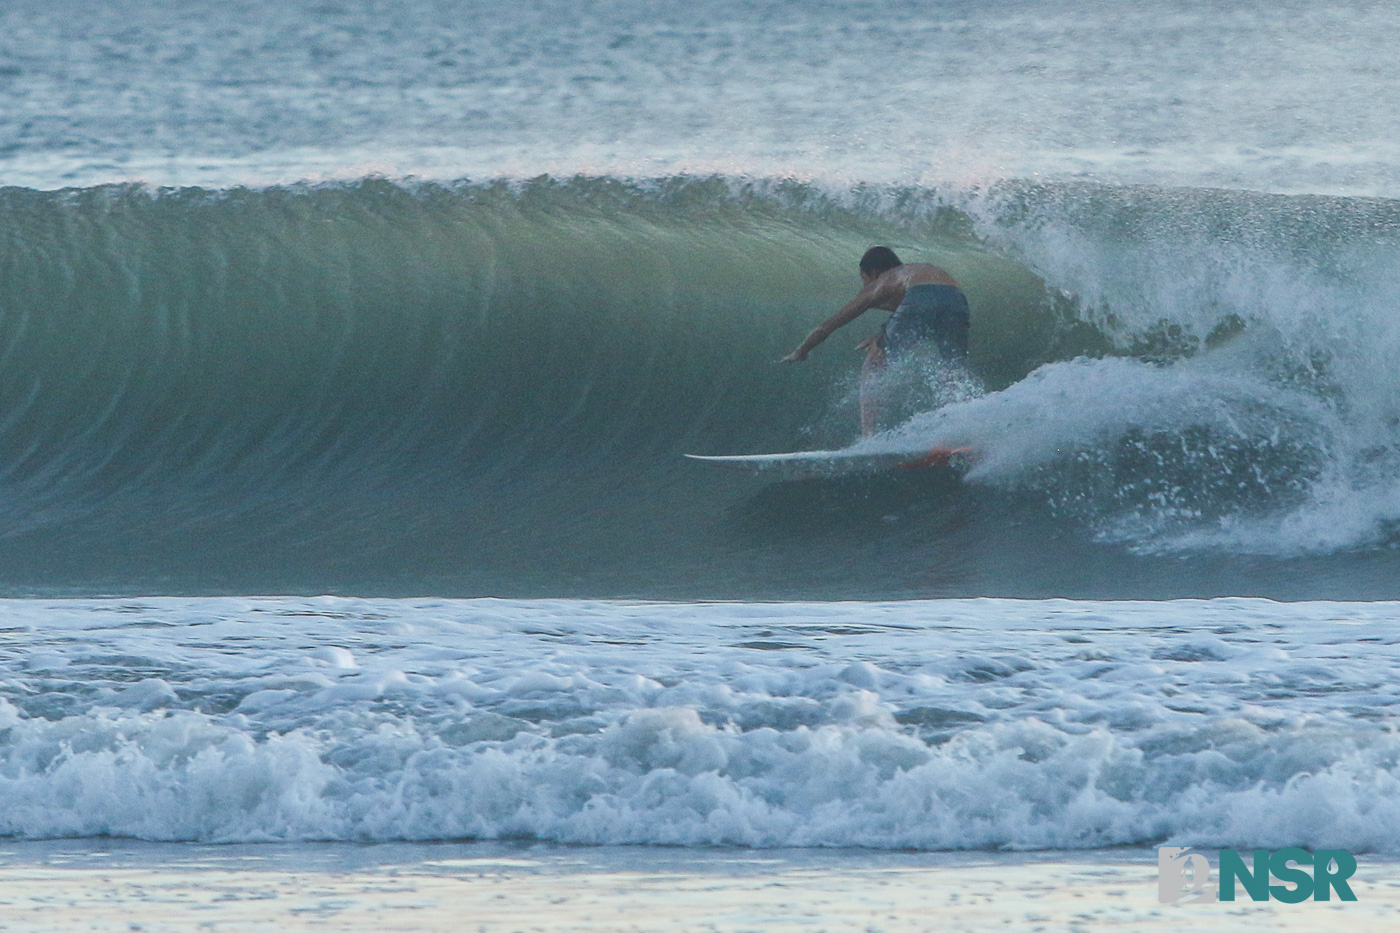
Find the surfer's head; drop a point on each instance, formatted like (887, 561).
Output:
(877, 261)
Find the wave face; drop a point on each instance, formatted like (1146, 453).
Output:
(485, 388)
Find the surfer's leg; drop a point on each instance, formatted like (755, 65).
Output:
(870, 372)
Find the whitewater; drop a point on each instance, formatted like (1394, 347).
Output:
(960, 724)
(349, 352)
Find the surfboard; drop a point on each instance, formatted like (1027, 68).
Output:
(836, 462)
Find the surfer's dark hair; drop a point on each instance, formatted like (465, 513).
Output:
(879, 259)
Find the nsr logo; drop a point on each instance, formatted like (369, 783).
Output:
(1183, 876)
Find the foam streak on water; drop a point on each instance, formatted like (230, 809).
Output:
(940, 724)
(1281, 96)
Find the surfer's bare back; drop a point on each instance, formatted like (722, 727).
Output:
(927, 303)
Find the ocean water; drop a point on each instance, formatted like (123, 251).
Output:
(419, 305)
(949, 724)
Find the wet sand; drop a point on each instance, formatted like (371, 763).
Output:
(124, 885)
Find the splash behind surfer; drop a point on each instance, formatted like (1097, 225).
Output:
(928, 306)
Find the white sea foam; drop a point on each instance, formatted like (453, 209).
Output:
(940, 724)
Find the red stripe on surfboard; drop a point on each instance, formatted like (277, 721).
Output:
(938, 456)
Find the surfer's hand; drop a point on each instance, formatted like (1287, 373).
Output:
(867, 343)
(796, 356)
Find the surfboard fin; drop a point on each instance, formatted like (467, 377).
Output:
(937, 457)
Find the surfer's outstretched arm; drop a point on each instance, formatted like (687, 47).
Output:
(868, 297)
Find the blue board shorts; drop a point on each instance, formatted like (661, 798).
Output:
(936, 313)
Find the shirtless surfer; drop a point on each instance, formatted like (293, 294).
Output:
(927, 303)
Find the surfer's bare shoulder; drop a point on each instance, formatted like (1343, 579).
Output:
(887, 290)
(919, 273)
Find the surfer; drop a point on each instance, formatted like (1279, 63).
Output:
(928, 306)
